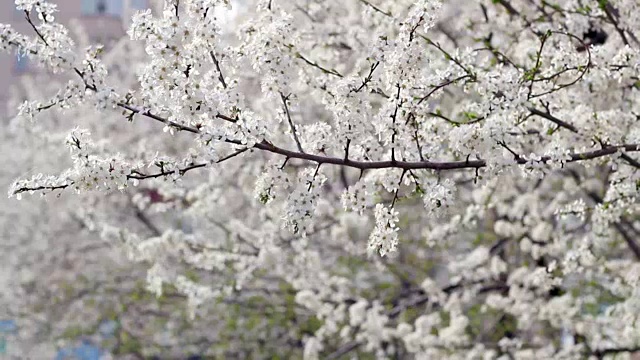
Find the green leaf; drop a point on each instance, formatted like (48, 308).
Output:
(602, 4)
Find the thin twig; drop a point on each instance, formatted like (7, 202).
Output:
(217, 64)
(553, 119)
(291, 125)
(316, 65)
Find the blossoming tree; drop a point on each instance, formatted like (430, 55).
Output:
(428, 179)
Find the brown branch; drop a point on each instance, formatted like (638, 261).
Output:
(448, 56)
(583, 72)
(553, 119)
(433, 165)
(38, 188)
(316, 65)
(395, 131)
(386, 13)
(407, 165)
(442, 85)
(631, 161)
(507, 5)
(368, 78)
(144, 219)
(609, 11)
(148, 114)
(601, 353)
(35, 28)
(362, 165)
(291, 125)
(217, 64)
(140, 176)
(633, 245)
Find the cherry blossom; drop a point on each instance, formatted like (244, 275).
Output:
(383, 178)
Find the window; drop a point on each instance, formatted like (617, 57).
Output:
(22, 63)
(102, 7)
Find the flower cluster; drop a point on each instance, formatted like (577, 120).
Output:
(384, 237)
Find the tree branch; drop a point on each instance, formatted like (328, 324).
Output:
(291, 125)
(217, 64)
(553, 119)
